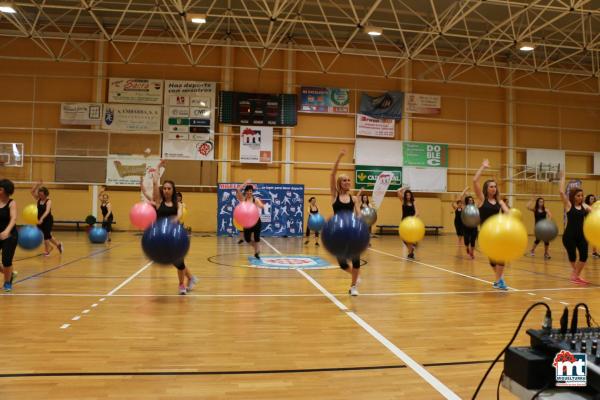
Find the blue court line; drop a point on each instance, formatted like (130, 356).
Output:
(63, 265)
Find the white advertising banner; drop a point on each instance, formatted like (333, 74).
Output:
(189, 120)
(127, 170)
(80, 113)
(376, 152)
(422, 103)
(139, 91)
(256, 144)
(132, 117)
(419, 179)
(374, 127)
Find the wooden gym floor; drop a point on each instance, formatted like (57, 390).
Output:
(101, 322)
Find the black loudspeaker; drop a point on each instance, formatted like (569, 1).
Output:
(530, 368)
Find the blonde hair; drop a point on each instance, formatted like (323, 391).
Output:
(105, 194)
(338, 183)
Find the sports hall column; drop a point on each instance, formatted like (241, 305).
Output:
(98, 90)
(509, 156)
(289, 82)
(407, 125)
(224, 140)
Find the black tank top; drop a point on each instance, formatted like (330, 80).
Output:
(5, 218)
(338, 206)
(104, 210)
(42, 209)
(164, 210)
(575, 219)
(457, 219)
(487, 210)
(314, 210)
(539, 215)
(408, 211)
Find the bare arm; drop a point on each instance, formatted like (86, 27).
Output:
(238, 192)
(34, 191)
(530, 203)
(548, 214)
(179, 211)
(400, 193)
(332, 178)
(563, 195)
(156, 189)
(147, 195)
(476, 186)
(259, 203)
(13, 220)
(504, 207)
(109, 212)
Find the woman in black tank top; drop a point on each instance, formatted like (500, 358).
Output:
(573, 238)
(457, 206)
(8, 231)
(45, 218)
(409, 209)
(490, 203)
(245, 192)
(107, 214)
(169, 207)
(312, 209)
(539, 213)
(342, 200)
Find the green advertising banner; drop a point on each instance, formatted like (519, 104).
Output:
(417, 154)
(366, 176)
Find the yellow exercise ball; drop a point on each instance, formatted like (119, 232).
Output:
(237, 226)
(503, 238)
(184, 213)
(596, 206)
(591, 228)
(515, 212)
(411, 229)
(30, 214)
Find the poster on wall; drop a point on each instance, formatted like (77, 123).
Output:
(434, 180)
(189, 120)
(378, 152)
(256, 144)
(132, 117)
(137, 91)
(389, 105)
(417, 154)
(80, 113)
(122, 170)
(366, 176)
(282, 215)
(374, 127)
(422, 103)
(596, 163)
(324, 100)
(257, 109)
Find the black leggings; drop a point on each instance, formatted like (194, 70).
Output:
(180, 265)
(470, 236)
(46, 227)
(254, 230)
(8, 246)
(308, 233)
(574, 244)
(344, 263)
(537, 241)
(459, 228)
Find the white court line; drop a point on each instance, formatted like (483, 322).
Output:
(564, 303)
(126, 281)
(420, 370)
(65, 326)
(75, 318)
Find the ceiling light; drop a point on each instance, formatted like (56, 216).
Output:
(526, 46)
(7, 7)
(197, 18)
(373, 30)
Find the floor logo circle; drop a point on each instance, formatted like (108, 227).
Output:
(289, 262)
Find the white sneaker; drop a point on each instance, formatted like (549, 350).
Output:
(182, 289)
(191, 283)
(353, 291)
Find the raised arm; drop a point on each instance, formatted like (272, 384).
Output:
(476, 186)
(563, 196)
(238, 192)
(332, 178)
(34, 190)
(531, 204)
(156, 189)
(400, 194)
(148, 196)
(459, 197)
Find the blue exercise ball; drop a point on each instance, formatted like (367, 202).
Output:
(97, 235)
(315, 222)
(165, 242)
(30, 237)
(345, 235)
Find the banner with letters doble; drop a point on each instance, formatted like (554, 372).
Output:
(189, 120)
(416, 154)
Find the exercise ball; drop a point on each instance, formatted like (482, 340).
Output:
(30, 214)
(142, 215)
(503, 238)
(515, 212)
(596, 206)
(97, 235)
(165, 242)
(470, 216)
(246, 214)
(369, 215)
(546, 230)
(315, 222)
(411, 230)
(591, 228)
(184, 214)
(30, 237)
(345, 235)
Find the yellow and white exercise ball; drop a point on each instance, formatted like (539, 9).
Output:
(591, 227)
(411, 229)
(596, 206)
(515, 212)
(503, 238)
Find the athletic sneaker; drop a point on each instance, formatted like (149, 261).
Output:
(353, 291)
(531, 254)
(191, 283)
(547, 256)
(240, 241)
(411, 256)
(500, 285)
(578, 281)
(257, 256)
(60, 247)
(7, 286)
(182, 289)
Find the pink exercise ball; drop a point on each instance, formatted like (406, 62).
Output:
(142, 215)
(246, 214)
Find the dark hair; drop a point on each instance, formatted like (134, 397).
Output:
(588, 199)
(248, 187)
(311, 199)
(162, 196)
(411, 196)
(537, 204)
(180, 195)
(467, 198)
(573, 193)
(44, 190)
(486, 184)
(363, 196)
(8, 186)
